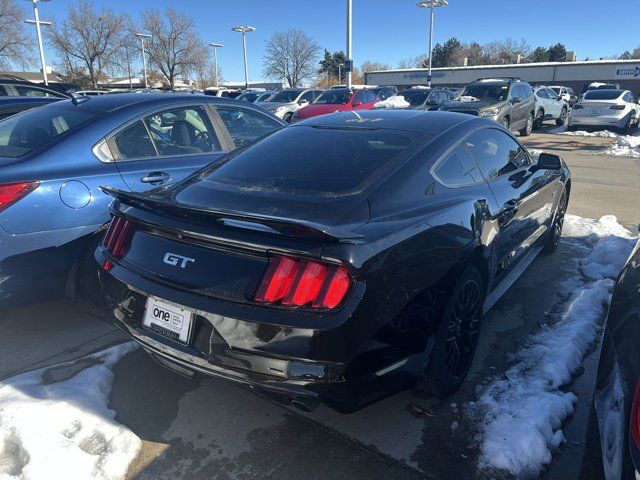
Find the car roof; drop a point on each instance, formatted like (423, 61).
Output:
(4, 101)
(424, 122)
(116, 101)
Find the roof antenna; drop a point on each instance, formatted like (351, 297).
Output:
(77, 98)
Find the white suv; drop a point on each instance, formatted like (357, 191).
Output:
(549, 106)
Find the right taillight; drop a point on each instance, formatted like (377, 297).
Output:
(118, 237)
(10, 193)
(635, 416)
(296, 282)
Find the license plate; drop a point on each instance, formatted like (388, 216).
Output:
(594, 112)
(167, 320)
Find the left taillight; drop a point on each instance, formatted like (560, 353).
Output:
(10, 193)
(118, 237)
(296, 282)
(617, 107)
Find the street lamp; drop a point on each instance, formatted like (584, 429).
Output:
(340, 65)
(215, 47)
(142, 36)
(349, 62)
(286, 69)
(37, 23)
(431, 4)
(244, 31)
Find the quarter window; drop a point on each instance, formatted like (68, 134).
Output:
(496, 153)
(246, 126)
(133, 142)
(182, 131)
(458, 168)
(3, 91)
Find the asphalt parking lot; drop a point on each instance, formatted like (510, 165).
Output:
(204, 428)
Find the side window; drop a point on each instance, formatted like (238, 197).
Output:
(308, 96)
(496, 153)
(133, 142)
(458, 168)
(369, 96)
(182, 131)
(316, 93)
(526, 89)
(628, 97)
(3, 91)
(25, 91)
(245, 126)
(542, 93)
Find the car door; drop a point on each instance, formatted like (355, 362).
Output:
(166, 146)
(524, 195)
(367, 99)
(517, 116)
(555, 103)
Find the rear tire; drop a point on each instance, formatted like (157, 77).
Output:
(563, 117)
(457, 336)
(526, 131)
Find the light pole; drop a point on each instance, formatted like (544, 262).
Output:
(37, 23)
(215, 47)
(432, 4)
(340, 65)
(142, 36)
(286, 69)
(244, 31)
(349, 62)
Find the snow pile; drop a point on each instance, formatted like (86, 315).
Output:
(64, 429)
(522, 413)
(583, 133)
(625, 146)
(397, 101)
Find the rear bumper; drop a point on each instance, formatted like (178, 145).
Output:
(599, 121)
(285, 364)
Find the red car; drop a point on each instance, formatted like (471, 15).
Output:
(338, 100)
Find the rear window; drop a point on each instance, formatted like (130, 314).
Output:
(415, 97)
(320, 161)
(334, 97)
(602, 94)
(21, 134)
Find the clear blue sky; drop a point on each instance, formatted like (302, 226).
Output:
(388, 30)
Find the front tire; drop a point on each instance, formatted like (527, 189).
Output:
(539, 120)
(505, 122)
(555, 234)
(288, 117)
(563, 117)
(457, 337)
(526, 131)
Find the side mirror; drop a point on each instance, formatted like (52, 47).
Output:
(303, 103)
(356, 103)
(549, 161)
(516, 100)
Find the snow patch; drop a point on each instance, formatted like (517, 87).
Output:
(521, 414)
(397, 101)
(65, 429)
(622, 146)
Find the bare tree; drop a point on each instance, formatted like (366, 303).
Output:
(370, 66)
(15, 43)
(175, 47)
(88, 40)
(291, 55)
(413, 62)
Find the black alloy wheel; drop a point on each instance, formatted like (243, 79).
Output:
(555, 234)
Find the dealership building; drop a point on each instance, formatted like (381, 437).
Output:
(577, 75)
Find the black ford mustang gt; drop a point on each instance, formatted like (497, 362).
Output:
(338, 260)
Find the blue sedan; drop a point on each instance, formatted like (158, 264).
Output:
(53, 159)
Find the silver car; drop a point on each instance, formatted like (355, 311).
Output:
(286, 102)
(606, 108)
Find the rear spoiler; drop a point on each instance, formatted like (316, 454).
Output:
(250, 221)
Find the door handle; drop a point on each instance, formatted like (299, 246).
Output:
(156, 177)
(510, 206)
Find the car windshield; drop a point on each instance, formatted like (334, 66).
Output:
(415, 97)
(602, 94)
(338, 96)
(23, 133)
(480, 92)
(248, 96)
(336, 161)
(556, 89)
(285, 96)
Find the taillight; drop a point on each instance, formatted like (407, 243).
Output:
(10, 193)
(118, 237)
(296, 282)
(635, 416)
(617, 107)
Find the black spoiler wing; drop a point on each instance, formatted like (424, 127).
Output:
(252, 221)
